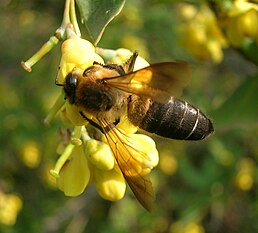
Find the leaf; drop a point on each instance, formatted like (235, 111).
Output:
(240, 110)
(97, 14)
(250, 50)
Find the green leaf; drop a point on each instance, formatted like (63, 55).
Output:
(240, 110)
(97, 14)
(250, 50)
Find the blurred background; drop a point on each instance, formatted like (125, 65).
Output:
(206, 186)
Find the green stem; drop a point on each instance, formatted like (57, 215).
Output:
(67, 152)
(53, 111)
(66, 17)
(62, 160)
(60, 34)
(85, 135)
(61, 31)
(76, 135)
(107, 54)
(74, 19)
(53, 40)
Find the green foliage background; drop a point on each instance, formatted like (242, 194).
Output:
(201, 190)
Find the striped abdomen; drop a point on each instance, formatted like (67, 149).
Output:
(176, 119)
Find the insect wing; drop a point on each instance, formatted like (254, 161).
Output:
(160, 80)
(131, 163)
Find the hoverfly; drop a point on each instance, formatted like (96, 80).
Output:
(109, 92)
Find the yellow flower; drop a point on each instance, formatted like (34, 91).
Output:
(244, 179)
(30, 154)
(70, 115)
(148, 146)
(122, 55)
(110, 184)
(76, 52)
(126, 125)
(186, 227)
(10, 206)
(75, 174)
(99, 154)
(96, 161)
(200, 33)
(240, 22)
(139, 149)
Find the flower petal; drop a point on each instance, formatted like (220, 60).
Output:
(75, 174)
(110, 184)
(99, 154)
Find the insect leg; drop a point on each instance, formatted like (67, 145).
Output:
(93, 123)
(129, 65)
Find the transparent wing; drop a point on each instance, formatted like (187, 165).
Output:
(132, 161)
(158, 81)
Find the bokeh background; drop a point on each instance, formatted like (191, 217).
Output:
(207, 186)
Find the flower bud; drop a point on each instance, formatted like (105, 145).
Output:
(110, 184)
(201, 35)
(122, 55)
(99, 154)
(244, 179)
(10, 206)
(149, 148)
(76, 52)
(147, 157)
(139, 149)
(75, 174)
(242, 26)
(30, 154)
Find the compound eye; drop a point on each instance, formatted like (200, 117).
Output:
(87, 71)
(71, 81)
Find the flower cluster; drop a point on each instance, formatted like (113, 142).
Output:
(87, 155)
(201, 35)
(88, 158)
(207, 30)
(240, 22)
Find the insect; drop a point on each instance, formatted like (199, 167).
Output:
(110, 92)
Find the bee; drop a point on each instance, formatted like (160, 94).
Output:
(110, 92)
